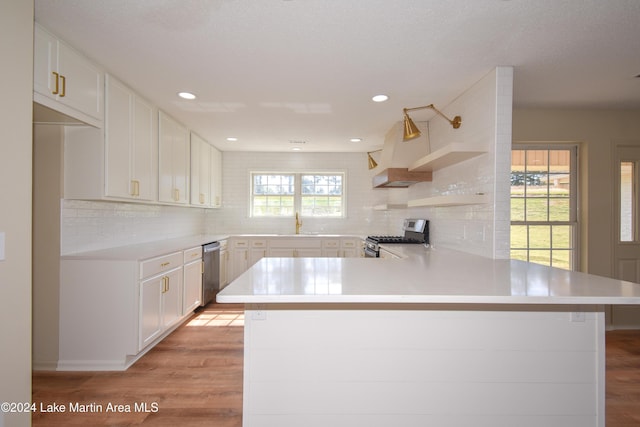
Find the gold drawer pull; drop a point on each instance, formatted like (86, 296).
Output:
(57, 89)
(164, 264)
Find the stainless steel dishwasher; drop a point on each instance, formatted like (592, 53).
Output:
(211, 275)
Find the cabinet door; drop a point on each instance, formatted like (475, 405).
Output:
(281, 252)
(216, 178)
(66, 81)
(150, 310)
(143, 150)
(81, 84)
(255, 255)
(172, 298)
(45, 62)
(200, 171)
(308, 252)
(118, 124)
(224, 268)
(173, 161)
(239, 261)
(192, 296)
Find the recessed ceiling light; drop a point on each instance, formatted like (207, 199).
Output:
(232, 139)
(355, 140)
(296, 148)
(379, 98)
(186, 95)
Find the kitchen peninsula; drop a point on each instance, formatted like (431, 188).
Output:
(436, 337)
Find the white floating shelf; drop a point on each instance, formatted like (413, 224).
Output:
(450, 200)
(451, 154)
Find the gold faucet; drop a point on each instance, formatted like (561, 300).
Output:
(298, 223)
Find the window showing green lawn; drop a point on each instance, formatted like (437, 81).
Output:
(543, 205)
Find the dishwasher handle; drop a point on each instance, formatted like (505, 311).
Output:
(210, 247)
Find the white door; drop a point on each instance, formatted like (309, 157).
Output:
(626, 253)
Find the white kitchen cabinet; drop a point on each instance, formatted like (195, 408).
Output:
(239, 256)
(193, 270)
(200, 187)
(66, 81)
(161, 288)
(331, 247)
(295, 247)
(224, 263)
(216, 178)
(173, 163)
(132, 306)
(130, 144)
(258, 250)
(351, 248)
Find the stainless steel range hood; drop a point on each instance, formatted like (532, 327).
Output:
(396, 157)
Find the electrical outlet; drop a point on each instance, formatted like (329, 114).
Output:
(259, 312)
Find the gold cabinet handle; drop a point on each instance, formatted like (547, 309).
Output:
(57, 76)
(164, 264)
(165, 284)
(64, 85)
(201, 199)
(176, 194)
(135, 187)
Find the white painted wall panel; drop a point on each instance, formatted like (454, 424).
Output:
(429, 367)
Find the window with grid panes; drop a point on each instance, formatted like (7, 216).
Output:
(544, 204)
(310, 194)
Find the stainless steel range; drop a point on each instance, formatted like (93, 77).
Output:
(415, 231)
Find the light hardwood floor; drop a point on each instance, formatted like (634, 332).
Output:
(194, 376)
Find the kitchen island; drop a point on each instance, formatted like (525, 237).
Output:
(437, 337)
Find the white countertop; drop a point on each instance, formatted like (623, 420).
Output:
(423, 276)
(148, 250)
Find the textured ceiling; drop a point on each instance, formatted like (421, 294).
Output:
(272, 71)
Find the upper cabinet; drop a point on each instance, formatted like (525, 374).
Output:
(216, 178)
(66, 81)
(200, 171)
(174, 158)
(206, 176)
(130, 144)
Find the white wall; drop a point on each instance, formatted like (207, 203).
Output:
(16, 86)
(486, 110)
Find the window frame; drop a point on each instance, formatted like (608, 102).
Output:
(572, 222)
(297, 193)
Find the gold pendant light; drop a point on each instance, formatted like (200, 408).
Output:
(411, 131)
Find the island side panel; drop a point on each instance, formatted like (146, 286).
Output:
(347, 365)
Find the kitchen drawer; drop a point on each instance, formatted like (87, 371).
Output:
(192, 254)
(154, 266)
(244, 243)
(349, 243)
(262, 243)
(332, 243)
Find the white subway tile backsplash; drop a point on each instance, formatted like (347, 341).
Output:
(486, 110)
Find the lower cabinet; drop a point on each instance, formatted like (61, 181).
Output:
(113, 310)
(224, 264)
(160, 305)
(193, 271)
